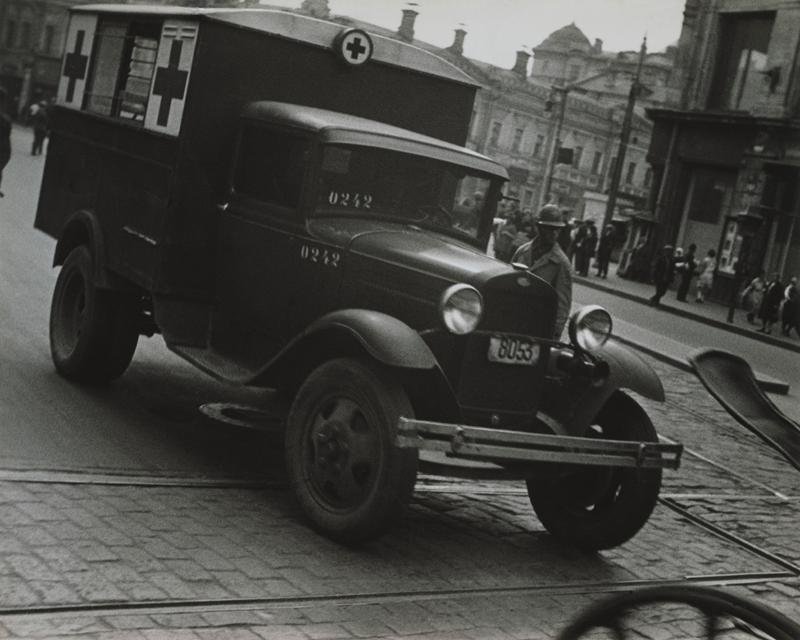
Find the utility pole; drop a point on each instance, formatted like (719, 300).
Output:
(623, 138)
(551, 164)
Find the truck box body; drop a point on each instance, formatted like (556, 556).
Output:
(147, 111)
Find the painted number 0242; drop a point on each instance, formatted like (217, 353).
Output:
(320, 255)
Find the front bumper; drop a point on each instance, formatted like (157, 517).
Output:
(503, 446)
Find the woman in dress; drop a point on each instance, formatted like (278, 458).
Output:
(706, 278)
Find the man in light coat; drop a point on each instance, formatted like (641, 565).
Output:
(544, 258)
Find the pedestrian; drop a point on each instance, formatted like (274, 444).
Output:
(585, 249)
(686, 268)
(773, 294)
(637, 265)
(604, 248)
(752, 297)
(663, 271)
(507, 234)
(545, 258)
(5, 136)
(706, 278)
(39, 122)
(788, 306)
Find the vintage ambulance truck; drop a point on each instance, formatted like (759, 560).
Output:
(288, 203)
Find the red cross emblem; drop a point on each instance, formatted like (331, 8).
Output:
(170, 83)
(75, 65)
(354, 46)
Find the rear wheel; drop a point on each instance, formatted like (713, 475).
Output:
(600, 507)
(349, 477)
(93, 333)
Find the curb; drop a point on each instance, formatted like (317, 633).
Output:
(719, 324)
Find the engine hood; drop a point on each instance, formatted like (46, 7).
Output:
(411, 248)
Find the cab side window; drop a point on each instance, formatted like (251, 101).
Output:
(270, 166)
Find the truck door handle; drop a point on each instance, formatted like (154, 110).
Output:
(222, 207)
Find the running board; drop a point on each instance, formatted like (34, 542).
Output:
(730, 380)
(499, 445)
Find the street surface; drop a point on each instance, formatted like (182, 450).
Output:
(126, 512)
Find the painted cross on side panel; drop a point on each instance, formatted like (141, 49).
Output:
(75, 65)
(170, 83)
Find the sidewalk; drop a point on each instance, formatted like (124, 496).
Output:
(710, 313)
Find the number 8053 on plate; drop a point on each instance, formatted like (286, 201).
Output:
(513, 350)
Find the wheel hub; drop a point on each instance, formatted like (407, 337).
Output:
(332, 446)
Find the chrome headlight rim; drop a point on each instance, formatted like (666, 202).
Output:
(446, 309)
(584, 324)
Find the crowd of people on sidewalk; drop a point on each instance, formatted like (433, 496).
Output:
(767, 301)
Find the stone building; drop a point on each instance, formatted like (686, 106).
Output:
(567, 57)
(31, 41)
(726, 159)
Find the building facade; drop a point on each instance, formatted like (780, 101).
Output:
(727, 160)
(31, 42)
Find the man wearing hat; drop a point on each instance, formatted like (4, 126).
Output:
(545, 258)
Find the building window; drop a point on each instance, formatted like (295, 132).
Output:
(537, 147)
(576, 157)
(515, 144)
(124, 63)
(574, 71)
(527, 197)
(49, 39)
(494, 138)
(11, 34)
(598, 157)
(631, 172)
(738, 81)
(648, 177)
(25, 35)
(710, 194)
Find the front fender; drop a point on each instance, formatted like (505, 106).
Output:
(629, 371)
(348, 332)
(83, 228)
(626, 370)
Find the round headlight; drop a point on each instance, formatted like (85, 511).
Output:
(461, 308)
(590, 327)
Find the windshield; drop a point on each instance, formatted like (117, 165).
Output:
(400, 186)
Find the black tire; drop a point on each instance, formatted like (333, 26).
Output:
(93, 333)
(597, 508)
(350, 479)
(628, 612)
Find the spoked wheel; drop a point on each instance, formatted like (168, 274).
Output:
(599, 507)
(93, 333)
(701, 611)
(349, 477)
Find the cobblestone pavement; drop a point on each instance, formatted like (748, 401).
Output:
(83, 558)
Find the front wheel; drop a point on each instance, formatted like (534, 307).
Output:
(349, 477)
(93, 333)
(596, 507)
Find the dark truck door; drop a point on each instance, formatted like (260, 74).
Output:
(260, 240)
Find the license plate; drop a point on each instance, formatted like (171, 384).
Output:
(510, 350)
